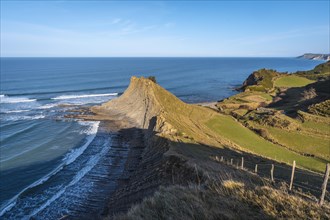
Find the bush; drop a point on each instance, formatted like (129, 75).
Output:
(322, 108)
(308, 94)
(152, 78)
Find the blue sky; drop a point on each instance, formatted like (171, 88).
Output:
(172, 28)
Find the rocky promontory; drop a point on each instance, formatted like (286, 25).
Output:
(315, 56)
(174, 158)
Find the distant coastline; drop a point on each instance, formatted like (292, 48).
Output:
(315, 56)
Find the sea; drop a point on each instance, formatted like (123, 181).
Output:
(44, 156)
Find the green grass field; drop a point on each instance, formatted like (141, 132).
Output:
(228, 128)
(246, 97)
(303, 143)
(319, 127)
(292, 81)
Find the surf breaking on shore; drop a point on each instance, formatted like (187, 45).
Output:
(69, 158)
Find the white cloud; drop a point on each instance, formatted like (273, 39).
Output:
(116, 21)
(169, 25)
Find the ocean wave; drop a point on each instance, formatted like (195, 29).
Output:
(16, 111)
(11, 137)
(22, 117)
(89, 166)
(62, 97)
(68, 159)
(92, 127)
(11, 202)
(75, 153)
(12, 100)
(118, 87)
(48, 106)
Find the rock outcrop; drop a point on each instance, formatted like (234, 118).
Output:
(261, 80)
(153, 108)
(142, 101)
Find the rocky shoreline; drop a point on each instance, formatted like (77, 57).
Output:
(141, 166)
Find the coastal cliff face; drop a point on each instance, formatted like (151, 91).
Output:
(151, 162)
(138, 100)
(172, 134)
(313, 56)
(142, 101)
(153, 108)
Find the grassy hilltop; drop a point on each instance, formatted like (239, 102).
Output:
(296, 116)
(277, 118)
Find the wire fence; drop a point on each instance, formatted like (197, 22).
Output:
(302, 180)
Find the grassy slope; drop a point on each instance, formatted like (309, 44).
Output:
(307, 137)
(230, 129)
(321, 71)
(211, 128)
(301, 142)
(317, 127)
(196, 124)
(224, 200)
(203, 130)
(313, 138)
(292, 81)
(245, 97)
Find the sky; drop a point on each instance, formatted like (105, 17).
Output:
(164, 28)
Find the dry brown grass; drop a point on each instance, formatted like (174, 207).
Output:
(322, 109)
(226, 199)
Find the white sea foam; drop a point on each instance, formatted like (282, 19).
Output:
(8, 207)
(71, 157)
(11, 100)
(47, 106)
(89, 165)
(16, 111)
(11, 202)
(82, 96)
(92, 127)
(75, 153)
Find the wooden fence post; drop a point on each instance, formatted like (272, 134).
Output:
(325, 182)
(242, 164)
(231, 161)
(272, 173)
(221, 158)
(256, 168)
(292, 174)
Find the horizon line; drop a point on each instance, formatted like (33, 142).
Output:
(150, 56)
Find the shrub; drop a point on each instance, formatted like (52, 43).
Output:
(308, 94)
(322, 108)
(152, 78)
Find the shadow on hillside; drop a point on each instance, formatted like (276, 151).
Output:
(165, 162)
(293, 101)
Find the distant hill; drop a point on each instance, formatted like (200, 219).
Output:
(315, 56)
